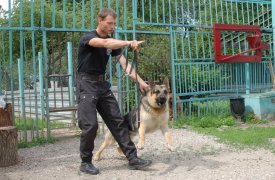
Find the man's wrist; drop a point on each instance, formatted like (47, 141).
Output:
(129, 43)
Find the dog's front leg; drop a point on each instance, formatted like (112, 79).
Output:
(167, 136)
(141, 139)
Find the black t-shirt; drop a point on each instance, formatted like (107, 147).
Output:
(93, 60)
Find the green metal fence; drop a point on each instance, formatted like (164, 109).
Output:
(38, 53)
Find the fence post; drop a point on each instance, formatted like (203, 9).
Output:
(273, 28)
(71, 79)
(22, 95)
(41, 84)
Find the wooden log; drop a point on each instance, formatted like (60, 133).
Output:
(8, 146)
(6, 116)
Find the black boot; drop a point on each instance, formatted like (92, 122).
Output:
(88, 168)
(138, 163)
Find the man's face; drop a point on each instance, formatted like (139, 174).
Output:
(107, 25)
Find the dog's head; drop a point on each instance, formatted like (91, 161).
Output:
(158, 95)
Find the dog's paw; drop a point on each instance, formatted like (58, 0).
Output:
(96, 158)
(140, 146)
(171, 148)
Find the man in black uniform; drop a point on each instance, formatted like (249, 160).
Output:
(93, 92)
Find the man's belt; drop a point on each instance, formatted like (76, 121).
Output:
(85, 76)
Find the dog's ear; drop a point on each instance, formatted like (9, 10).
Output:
(151, 84)
(166, 82)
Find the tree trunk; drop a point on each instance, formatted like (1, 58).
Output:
(6, 116)
(8, 146)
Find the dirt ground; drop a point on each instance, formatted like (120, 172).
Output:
(195, 157)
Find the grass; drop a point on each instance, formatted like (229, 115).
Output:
(227, 130)
(252, 137)
(36, 142)
(37, 124)
(33, 125)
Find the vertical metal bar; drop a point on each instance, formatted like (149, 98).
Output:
(210, 13)
(125, 15)
(175, 45)
(119, 86)
(216, 12)
(247, 78)
(157, 11)
(34, 64)
(11, 60)
(92, 14)
(143, 13)
(134, 10)
(194, 11)
(196, 44)
(74, 16)
(71, 78)
(227, 11)
(64, 13)
(22, 95)
(200, 12)
(163, 11)
(53, 13)
(176, 11)
(101, 4)
(237, 10)
(41, 85)
(170, 13)
(247, 12)
(150, 11)
(231, 12)
(221, 12)
(173, 72)
(83, 14)
(273, 28)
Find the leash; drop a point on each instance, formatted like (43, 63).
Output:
(137, 85)
(135, 63)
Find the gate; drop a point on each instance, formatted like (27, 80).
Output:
(38, 52)
(204, 87)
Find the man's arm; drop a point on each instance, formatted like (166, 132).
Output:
(142, 85)
(111, 43)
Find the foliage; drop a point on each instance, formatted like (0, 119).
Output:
(36, 142)
(39, 124)
(227, 130)
(253, 137)
(205, 121)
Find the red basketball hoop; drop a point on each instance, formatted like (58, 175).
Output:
(254, 42)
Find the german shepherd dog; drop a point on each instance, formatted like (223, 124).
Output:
(154, 114)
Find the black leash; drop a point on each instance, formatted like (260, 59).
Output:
(135, 63)
(137, 85)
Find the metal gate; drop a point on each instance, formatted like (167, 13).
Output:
(179, 42)
(203, 86)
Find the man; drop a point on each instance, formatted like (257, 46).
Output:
(93, 92)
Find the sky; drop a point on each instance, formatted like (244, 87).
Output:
(5, 4)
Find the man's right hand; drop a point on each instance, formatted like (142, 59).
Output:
(134, 44)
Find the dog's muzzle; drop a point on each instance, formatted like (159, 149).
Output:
(161, 100)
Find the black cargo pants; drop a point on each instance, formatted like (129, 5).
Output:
(93, 96)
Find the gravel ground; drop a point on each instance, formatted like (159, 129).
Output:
(195, 157)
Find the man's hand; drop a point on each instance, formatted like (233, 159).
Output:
(143, 86)
(134, 44)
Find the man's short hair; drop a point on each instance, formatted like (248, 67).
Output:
(105, 12)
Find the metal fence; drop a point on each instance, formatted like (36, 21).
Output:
(39, 39)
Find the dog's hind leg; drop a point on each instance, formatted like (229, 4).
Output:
(120, 152)
(108, 140)
(167, 136)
